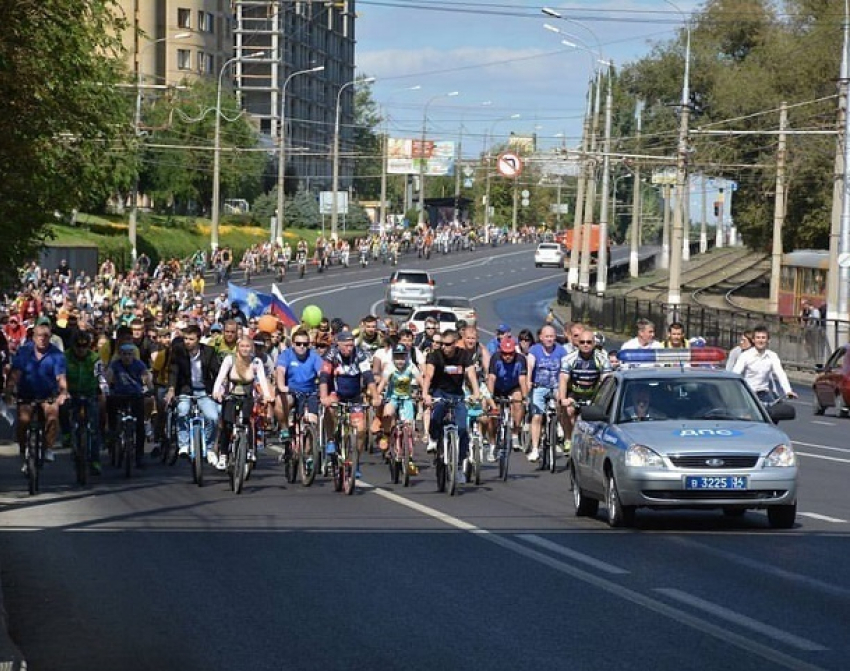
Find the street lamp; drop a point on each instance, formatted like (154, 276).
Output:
(335, 185)
(277, 229)
(422, 154)
(137, 123)
(217, 148)
(487, 175)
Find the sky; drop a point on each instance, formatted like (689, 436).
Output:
(501, 61)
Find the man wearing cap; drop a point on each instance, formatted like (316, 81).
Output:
(38, 372)
(507, 378)
(502, 331)
(224, 341)
(346, 374)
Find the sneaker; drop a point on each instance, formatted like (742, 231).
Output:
(156, 452)
(183, 451)
(212, 458)
(284, 435)
(515, 442)
(432, 446)
(534, 455)
(358, 475)
(491, 454)
(461, 477)
(221, 464)
(49, 456)
(94, 468)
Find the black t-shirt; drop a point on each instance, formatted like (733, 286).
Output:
(449, 371)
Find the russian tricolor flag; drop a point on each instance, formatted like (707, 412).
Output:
(280, 308)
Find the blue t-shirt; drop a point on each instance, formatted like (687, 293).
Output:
(507, 373)
(128, 379)
(301, 375)
(38, 376)
(547, 366)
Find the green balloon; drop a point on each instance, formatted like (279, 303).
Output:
(312, 315)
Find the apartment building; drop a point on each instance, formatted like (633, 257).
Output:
(182, 40)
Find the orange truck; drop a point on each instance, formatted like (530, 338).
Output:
(566, 239)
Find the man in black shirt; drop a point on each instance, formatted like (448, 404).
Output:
(446, 371)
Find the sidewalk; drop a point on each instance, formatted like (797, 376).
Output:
(11, 658)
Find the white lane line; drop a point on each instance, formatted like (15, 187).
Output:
(677, 615)
(824, 518)
(824, 457)
(599, 565)
(822, 447)
(822, 423)
(514, 286)
(742, 620)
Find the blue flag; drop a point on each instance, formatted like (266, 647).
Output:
(252, 303)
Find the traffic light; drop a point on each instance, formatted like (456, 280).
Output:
(716, 209)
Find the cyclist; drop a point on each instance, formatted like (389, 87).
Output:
(83, 367)
(297, 380)
(38, 372)
(238, 375)
(507, 377)
(760, 366)
(581, 373)
(127, 377)
(397, 390)
(447, 368)
(477, 411)
(345, 376)
(369, 339)
(544, 366)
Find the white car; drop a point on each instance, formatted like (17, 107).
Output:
(461, 306)
(549, 254)
(447, 319)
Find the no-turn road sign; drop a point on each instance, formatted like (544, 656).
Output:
(509, 165)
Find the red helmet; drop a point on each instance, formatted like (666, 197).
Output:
(507, 345)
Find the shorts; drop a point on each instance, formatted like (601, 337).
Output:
(302, 399)
(404, 406)
(539, 397)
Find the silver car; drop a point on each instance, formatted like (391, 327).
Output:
(408, 289)
(682, 438)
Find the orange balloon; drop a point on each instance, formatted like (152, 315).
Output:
(268, 323)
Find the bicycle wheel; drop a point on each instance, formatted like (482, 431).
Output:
(240, 459)
(475, 457)
(351, 464)
(128, 448)
(170, 452)
(406, 453)
(394, 452)
(451, 459)
(552, 439)
(33, 445)
(309, 461)
(291, 465)
(78, 438)
(198, 455)
(504, 448)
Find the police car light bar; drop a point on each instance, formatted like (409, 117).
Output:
(697, 355)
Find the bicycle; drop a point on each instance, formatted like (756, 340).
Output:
(474, 459)
(504, 431)
(81, 437)
(302, 265)
(549, 436)
(124, 453)
(240, 444)
(197, 439)
(343, 462)
(400, 450)
(34, 447)
(448, 449)
(301, 455)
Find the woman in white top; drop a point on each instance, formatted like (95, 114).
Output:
(760, 366)
(743, 345)
(237, 376)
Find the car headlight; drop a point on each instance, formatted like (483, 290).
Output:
(640, 456)
(781, 456)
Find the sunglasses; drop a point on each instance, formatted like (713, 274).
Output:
(300, 344)
(525, 339)
(585, 342)
(449, 344)
(430, 328)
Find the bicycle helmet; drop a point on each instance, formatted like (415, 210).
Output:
(507, 345)
(599, 339)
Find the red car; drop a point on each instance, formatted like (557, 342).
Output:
(832, 385)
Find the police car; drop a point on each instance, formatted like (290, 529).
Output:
(674, 432)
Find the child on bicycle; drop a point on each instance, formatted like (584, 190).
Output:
(397, 390)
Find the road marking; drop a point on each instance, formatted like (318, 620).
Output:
(824, 518)
(824, 457)
(534, 539)
(742, 620)
(822, 447)
(678, 615)
(822, 423)
(514, 286)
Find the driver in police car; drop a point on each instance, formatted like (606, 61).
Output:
(640, 409)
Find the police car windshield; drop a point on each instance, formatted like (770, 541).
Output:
(714, 399)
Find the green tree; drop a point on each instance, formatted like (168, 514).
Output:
(368, 143)
(64, 118)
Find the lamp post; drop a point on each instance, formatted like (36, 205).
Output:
(137, 123)
(422, 154)
(216, 194)
(277, 229)
(335, 182)
(487, 175)
(674, 297)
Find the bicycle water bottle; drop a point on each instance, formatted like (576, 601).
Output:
(331, 447)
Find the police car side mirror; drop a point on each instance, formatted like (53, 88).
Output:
(593, 413)
(781, 410)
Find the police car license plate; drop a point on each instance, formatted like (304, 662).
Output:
(715, 482)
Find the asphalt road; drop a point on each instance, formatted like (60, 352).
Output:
(156, 573)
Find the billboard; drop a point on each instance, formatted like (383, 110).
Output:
(405, 154)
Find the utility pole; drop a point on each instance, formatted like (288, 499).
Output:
(457, 174)
(686, 216)
(602, 255)
(590, 192)
(778, 213)
(634, 257)
(703, 231)
(720, 233)
(665, 230)
(578, 214)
